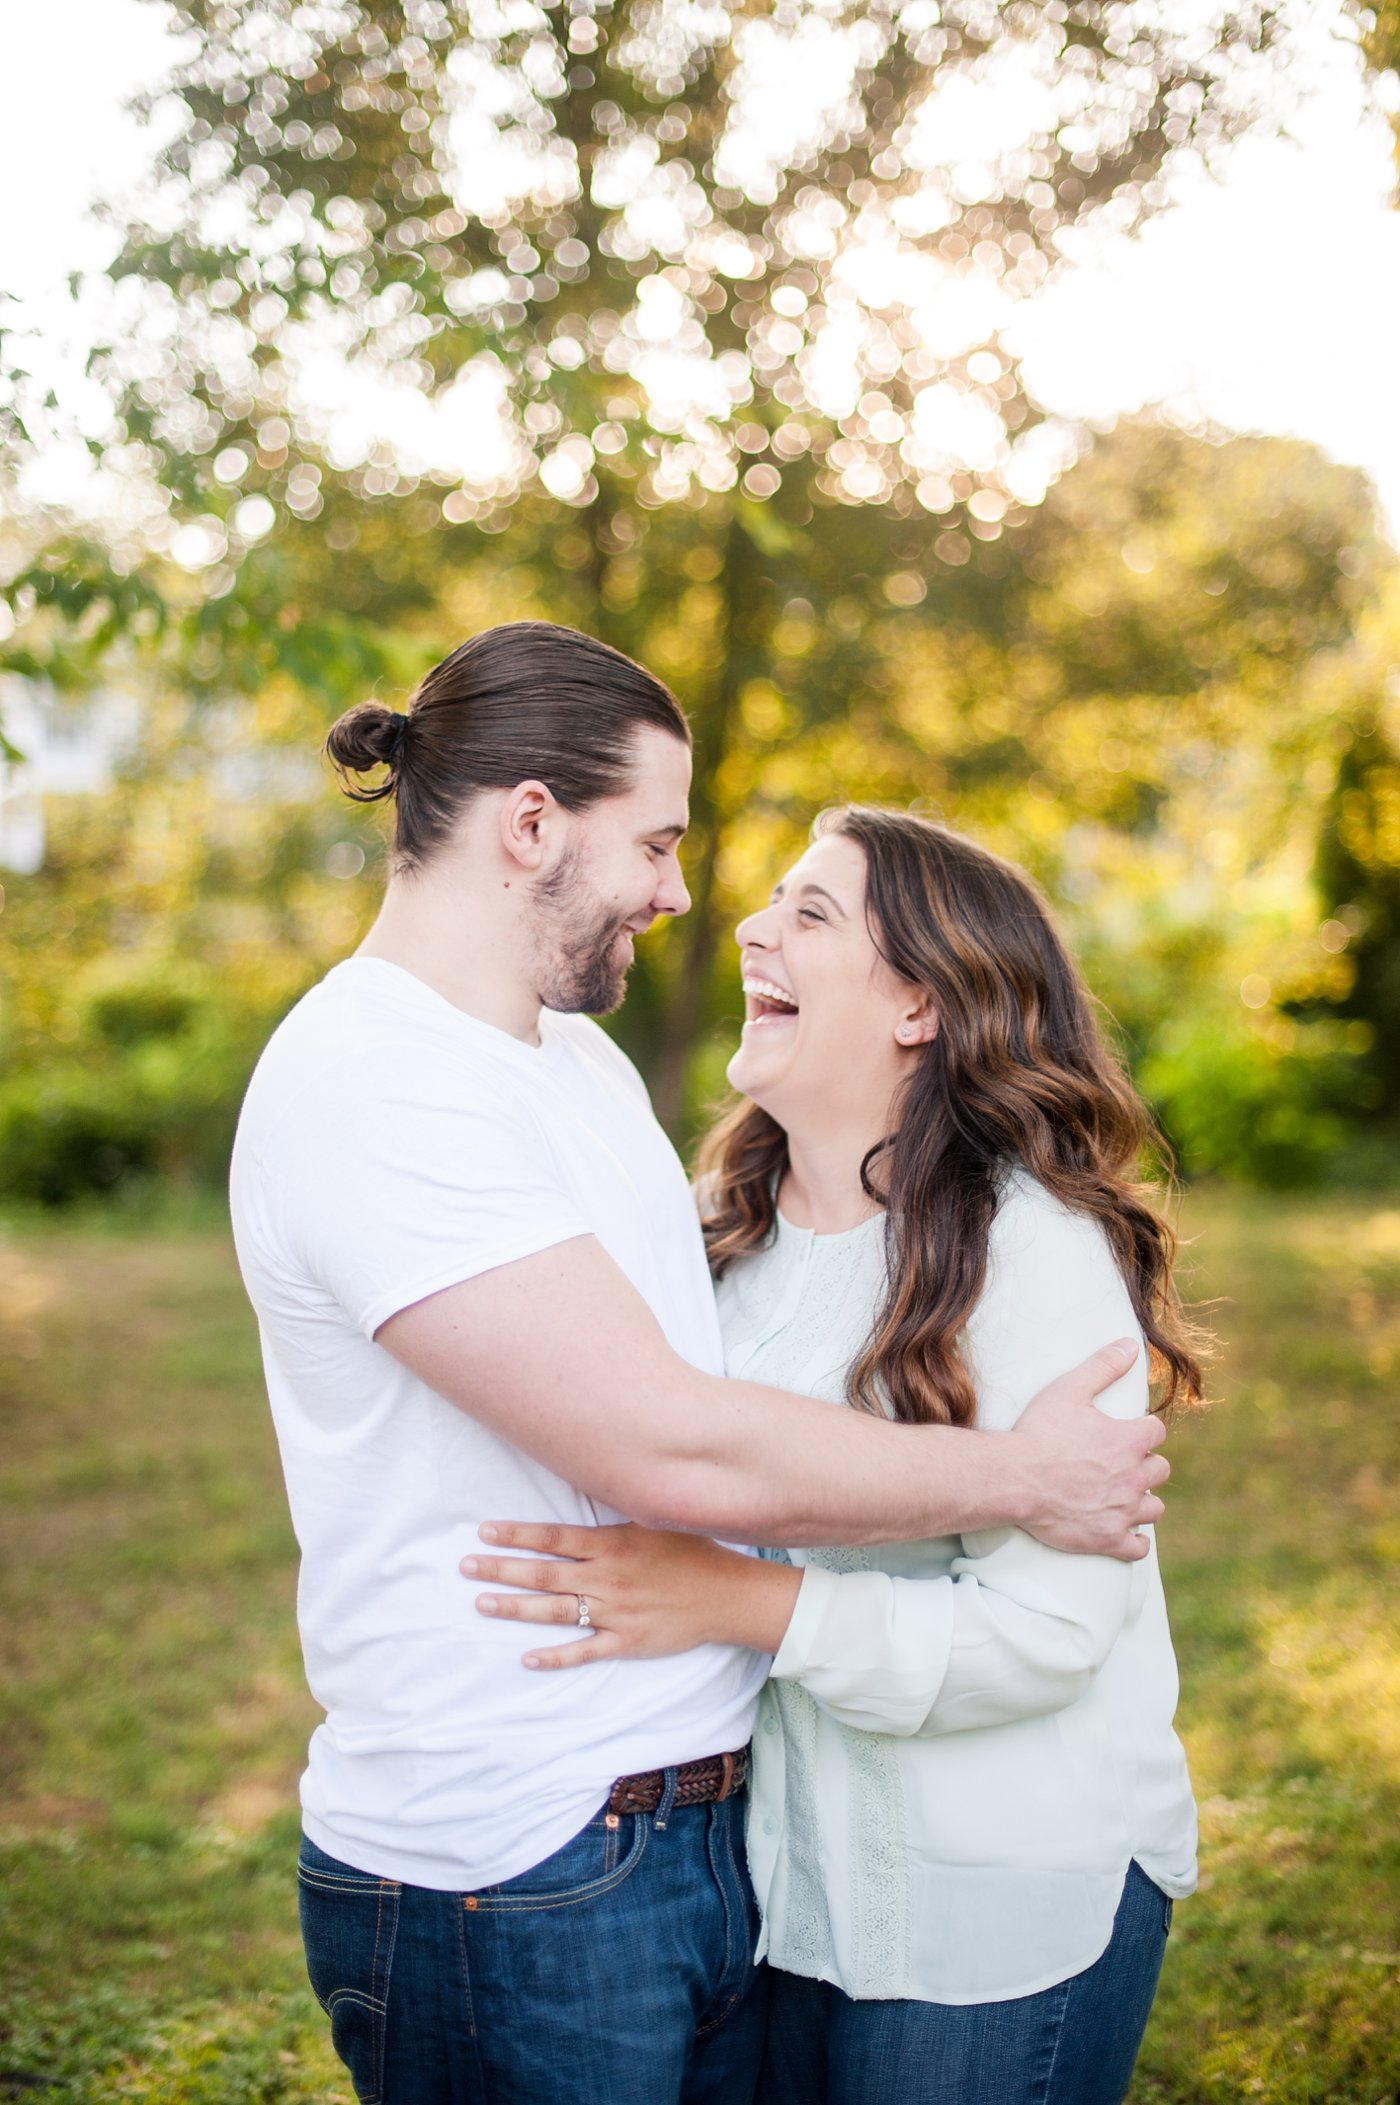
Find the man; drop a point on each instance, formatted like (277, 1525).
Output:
(482, 1293)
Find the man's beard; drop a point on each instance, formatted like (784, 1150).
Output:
(581, 971)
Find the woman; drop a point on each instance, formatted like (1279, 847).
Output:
(970, 1814)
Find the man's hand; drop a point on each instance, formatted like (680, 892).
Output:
(1090, 1478)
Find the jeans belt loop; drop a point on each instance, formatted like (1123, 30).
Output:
(668, 1798)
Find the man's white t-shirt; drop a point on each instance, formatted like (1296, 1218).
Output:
(391, 1146)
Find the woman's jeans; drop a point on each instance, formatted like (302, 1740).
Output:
(1074, 2044)
(618, 1972)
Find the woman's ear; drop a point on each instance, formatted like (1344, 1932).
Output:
(918, 1022)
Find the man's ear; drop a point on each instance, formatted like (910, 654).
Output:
(917, 1022)
(525, 814)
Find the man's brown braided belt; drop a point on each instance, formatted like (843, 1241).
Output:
(706, 1782)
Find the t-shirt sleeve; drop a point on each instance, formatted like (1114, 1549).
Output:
(388, 1186)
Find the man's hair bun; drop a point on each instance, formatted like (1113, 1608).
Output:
(367, 736)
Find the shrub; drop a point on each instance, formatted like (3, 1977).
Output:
(151, 1086)
(73, 1129)
(1234, 1102)
(125, 1001)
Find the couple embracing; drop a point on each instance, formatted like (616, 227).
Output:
(744, 1659)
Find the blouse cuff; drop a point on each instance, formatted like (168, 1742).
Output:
(869, 1649)
(801, 1646)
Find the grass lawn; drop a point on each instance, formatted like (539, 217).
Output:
(154, 1713)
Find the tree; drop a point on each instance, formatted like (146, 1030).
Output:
(1358, 855)
(712, 296)
(1149, 707)
(1380, 42)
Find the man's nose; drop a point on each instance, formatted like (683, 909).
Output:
(672, 896)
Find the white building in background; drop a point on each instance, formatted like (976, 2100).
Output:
(69, 746)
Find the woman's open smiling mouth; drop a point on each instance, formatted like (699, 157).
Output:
(767, 1003)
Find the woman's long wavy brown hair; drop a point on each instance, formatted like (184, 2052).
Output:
(1020, 1072)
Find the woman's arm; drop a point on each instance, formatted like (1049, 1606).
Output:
(649, 1592)
(1015, 1631)
(995, 1642)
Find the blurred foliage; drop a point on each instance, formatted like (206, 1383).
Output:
(717, 371)
(1359, 876)
(1380, 41)
(706, 306)
(1232, 1103)
(558, 199)
(1167, 695)
(145, 967)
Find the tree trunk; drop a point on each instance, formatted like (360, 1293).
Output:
(701, 931)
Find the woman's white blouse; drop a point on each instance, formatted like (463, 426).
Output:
(966, 1740)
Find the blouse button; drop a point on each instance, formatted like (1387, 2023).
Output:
(770, 1827)
(770, 1724)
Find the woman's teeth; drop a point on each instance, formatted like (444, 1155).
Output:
(771, 997)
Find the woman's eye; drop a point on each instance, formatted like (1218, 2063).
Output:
(810, 913)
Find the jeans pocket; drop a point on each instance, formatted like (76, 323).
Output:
(591, 1863)
(348, 1923)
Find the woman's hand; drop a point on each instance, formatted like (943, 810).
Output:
(649, 1592)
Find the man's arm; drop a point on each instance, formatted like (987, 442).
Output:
(559, 1354)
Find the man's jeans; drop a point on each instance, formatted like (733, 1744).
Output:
(1074, 2044)
(618, 1972)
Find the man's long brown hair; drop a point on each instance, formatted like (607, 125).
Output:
(527, 701)
(1019, 1073)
